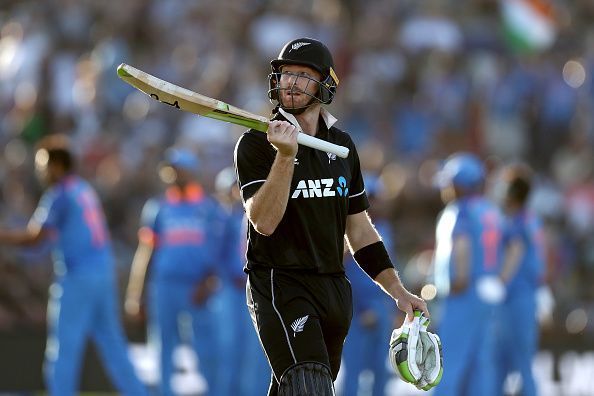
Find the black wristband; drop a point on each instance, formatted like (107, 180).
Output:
(373, 259)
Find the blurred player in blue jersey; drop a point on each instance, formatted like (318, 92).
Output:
(83, 302)
(365, 345)
(242, 363)
(467, 262)
(180, 238)
(522, 271)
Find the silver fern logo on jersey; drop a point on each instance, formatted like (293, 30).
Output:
(298, 324)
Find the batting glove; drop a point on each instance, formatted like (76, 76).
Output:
(415, 353)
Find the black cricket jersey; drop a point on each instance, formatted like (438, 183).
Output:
(325, 189)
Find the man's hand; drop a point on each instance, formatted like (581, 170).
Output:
(408, 303)
(31, 235)
(266, 208)
(131, 306)
(206, 288)
(134, 310)
(283, 136)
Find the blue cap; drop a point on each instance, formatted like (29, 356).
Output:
(181, 158)
(461, 170)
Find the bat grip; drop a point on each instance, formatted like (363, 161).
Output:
(319, 144)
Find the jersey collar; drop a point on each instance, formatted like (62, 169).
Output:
(328, 118)
(192, 193)
(67, 181)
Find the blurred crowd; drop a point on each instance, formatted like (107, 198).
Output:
(418, 81)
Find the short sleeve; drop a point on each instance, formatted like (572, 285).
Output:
(358, 201)
(462, 225)
(51, 209)
(254, 157)
(148, 222)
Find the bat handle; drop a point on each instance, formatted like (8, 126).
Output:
(319, 144)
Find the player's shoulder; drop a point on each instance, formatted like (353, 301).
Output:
(75, 184)
(252, 142)
(341, 137)
(52, 193)
(152, 207)
(249, 140)
(486, 205)
(251, 136)
(452, 210)
(481, 207)
(154, 203)
(67, 187)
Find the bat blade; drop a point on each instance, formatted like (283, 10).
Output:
(186, 100)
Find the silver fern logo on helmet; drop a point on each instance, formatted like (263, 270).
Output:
(298, 45)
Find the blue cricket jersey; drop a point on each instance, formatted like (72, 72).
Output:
(234, 244)
(479, 220)
(71, 211)
(526, 227)
(184, 230)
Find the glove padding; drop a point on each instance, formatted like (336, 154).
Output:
(424, 367)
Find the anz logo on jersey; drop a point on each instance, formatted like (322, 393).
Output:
(318, 188)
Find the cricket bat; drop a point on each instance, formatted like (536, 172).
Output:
(186, 100)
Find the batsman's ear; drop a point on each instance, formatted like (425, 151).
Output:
(328, 87)
(273, 85)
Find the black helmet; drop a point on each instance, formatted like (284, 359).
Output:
(307, 52)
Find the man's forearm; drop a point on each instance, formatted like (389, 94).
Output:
(360, 232)
(18, 237)
(267, 207)
(407, 302)
(140, 262)
(390, 282)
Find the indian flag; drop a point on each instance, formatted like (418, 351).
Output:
(529, 24)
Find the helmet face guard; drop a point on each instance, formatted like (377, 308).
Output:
(305, 52)
(324, 93)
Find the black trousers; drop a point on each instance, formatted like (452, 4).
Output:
(299, 317)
